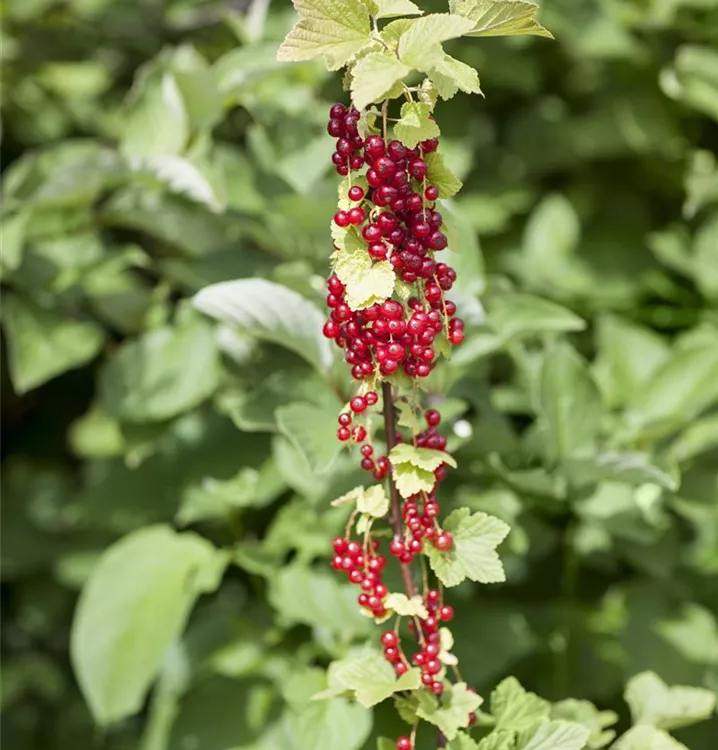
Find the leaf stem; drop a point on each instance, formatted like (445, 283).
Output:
(395, 514)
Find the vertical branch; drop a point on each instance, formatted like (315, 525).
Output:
(395, 513)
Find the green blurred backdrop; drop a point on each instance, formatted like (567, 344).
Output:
(152, 148)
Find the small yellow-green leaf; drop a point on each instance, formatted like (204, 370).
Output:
(427, 459)
(420, 43)
(415, 124)
(393, 8)
(439, 174)
(402, 605)
(373, 76)
(373, 501)
(451, 74)
(500, 17)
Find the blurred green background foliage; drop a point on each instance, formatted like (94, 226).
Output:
(153, 148)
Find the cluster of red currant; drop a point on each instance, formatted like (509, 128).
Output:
(343, 126)
(363, 567)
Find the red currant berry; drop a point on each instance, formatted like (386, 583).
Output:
(366, 451)
(438, 241)
(400, 668)
(396, 150)
(446, 613)
(433, 418)
(367, 464)
(371, 233)
(456, 336)
(389, 639)
(343, 434)
(338, 110)
(403, 743)
(356, 193)
(430, 145)
(431, 193)
(437, 688)
(444, 541)
(374, 145)
(357, 216)
(341, 219)
(417, 168)
(371, 398)
(358, 404)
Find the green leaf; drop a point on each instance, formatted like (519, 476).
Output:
(407, 418)
(402, 605)
(693, 632)
(699, 437)
(437, 173)
(411, 480)
(373, 501)
(705, 256)
(161, 374)
(462, 742)
(693, 79)
(451, 712)
(271, 312)
(570, 404)
(679, 389)
(647, 738)
(451, 75)
(515, 708)
(419, 44)
(392, 8)
(333, 29)
(551, 234)
(423, 458)
(652, 702)
(370, 677)
(133, 607)
(498, 741)
(500, 17)
(586, 714)
(322, 725)
(554, 735)
(373, 76)
(514, 314)
(312, 431)
(415, 124)
(42, 344)
(473, 554)
(631, 468)
(12, 239)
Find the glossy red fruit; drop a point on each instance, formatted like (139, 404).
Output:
(431, 193)
(356, 193)
(444, 541)
(403, 743)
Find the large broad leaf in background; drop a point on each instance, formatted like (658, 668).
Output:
(570, 404)
(42, 344)
(133, 607)
(163, 373)
(271, 312)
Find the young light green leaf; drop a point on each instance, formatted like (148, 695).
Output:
(370, 286)
(693, 632)
(645, 737)
(43, 344)
(652, 702)
(373, 76)
(505, 740)
(133, 607)
(419, 45)
(451, 75)
(451, 712)
(554, 735)
(407, 418)
(437, 173)
(500, 17)
(415, 125)
(393, 8)
(373, 501)
(516, 708)
(271, 312)
(473, 554)
(586, 714)
(370, 677)
(427, 459)
(402, 605)
(411, 480)
(570, 404)
(333, 29)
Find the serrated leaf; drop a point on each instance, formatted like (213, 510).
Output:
(43, 344)
(645, 737)
(585, 713)
(371, 678)
(411, 480)
(348, 498)
(500, 17)
(427, 459)
(373, 501)
(462, 742)
(473, 554)
(570, 404)
(407, 418)
(373, 76)
(652, 702)
(451, 75)
(134, 605)
(516, 708)
(271, 312)
(415, 125)
(498, 741)
(333, 29)
(554, 735)
(451, 712)
(437, 173)
(402, 605)
(393, 8)
(344, 202)
(419, 45)
(370, 286)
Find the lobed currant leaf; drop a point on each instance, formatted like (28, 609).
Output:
(451, 712)
(646, 737)
(498, 741)
(653, 702)
(402, 605)
(369, 677)
(440, 175)
(553, 735)
(446, 643)
(392, 8)
(427, 459)
(370, 286)
(374, 77)
(349, 498)
(333, 29)
(451, 74)
(585, 713)
(415, 124)
(473, 554)
(516, 708)
(419, 44)
(411, 480)
(462, 742)
(373, 501)
(500, 17)
(407, 418)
